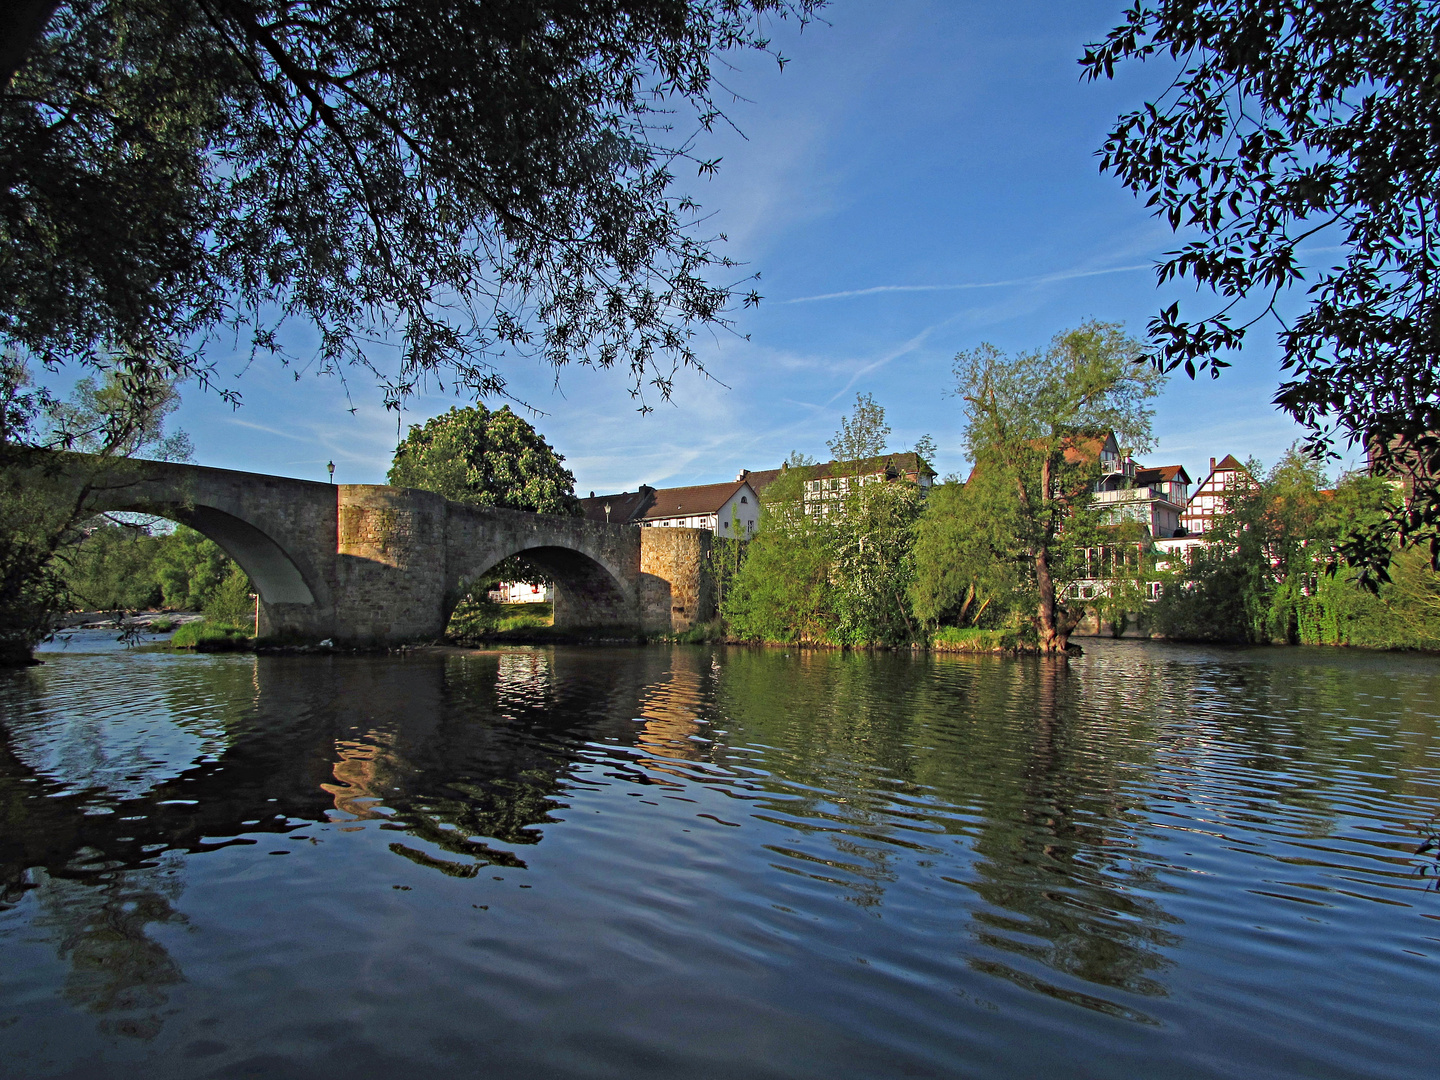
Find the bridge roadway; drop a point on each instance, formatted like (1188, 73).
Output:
(364, 564)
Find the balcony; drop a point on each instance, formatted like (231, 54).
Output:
(1149, 493)
(1117, 466)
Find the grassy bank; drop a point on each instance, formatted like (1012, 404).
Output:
(946, 639)
(207, 636)
(484, 620)
(971, 640)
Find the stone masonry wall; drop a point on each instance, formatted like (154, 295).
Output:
(676, 586)
(366, 564)
(390, 544)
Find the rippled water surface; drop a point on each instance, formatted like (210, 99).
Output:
(1152, 862)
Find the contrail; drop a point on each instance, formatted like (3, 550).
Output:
(1042, 279)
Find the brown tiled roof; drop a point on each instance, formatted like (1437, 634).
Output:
(1228, 463)
(649, 504)
(625, 507)
(686, 501)
(764, 478)
(1161, 474)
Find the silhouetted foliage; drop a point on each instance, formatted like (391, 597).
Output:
(460, 179)
(1287, 122)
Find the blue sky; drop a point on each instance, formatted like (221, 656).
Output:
(919, 179)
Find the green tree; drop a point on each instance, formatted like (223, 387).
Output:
(1035, 425)
(47, 493)
(189, 568)
(958, 579)
(113, 569)
(782, 590)
(464, 179)
(863, 434)
(232, 601)
(1287, 122)
(838, 569)
(872, 537)
(486, 458)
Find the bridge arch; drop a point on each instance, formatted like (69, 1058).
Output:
(274, 574)
(587, 592)
(270, 568)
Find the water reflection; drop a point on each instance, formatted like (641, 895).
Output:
(981, 827)
(100, 928)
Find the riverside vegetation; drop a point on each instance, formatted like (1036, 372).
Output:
(988, 564)
(984, 565)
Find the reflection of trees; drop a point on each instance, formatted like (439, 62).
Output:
(99, 928)
(1060, 868)
(881, 755)
(1038, 779)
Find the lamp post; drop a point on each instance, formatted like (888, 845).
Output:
(331, 467)
(607, 513)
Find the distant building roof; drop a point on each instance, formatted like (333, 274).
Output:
(908, 463)
(649, 503)
(625, 507)
(763, 478)
(688, 501)
(1161, 474)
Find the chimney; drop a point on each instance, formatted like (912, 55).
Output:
(743, 473)
(1212, 464)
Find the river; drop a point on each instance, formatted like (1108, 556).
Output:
(1153, 861)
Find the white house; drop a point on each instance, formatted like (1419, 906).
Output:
(729, 509)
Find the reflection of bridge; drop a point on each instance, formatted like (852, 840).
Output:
(365, 564)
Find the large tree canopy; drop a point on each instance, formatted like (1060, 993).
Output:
(488, 458)
(1035, 427)
(453, 180)
(1285, 122)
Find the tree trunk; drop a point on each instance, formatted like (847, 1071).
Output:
(1053, 629)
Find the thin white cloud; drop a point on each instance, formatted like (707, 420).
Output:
(1041, 279)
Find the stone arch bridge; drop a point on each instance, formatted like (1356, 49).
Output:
(364, 564)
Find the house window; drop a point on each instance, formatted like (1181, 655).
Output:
(744, 498)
